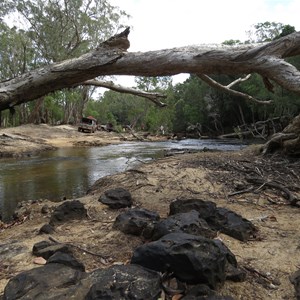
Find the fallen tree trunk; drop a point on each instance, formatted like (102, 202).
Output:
(111, 58)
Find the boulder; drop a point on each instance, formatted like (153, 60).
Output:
(204, 208)
(67, 211)
(52, 281)
(192, 259)
(189, 222)
(130, 282)
(116, 198)
(218, 218)
(137, 221)
(232, 224)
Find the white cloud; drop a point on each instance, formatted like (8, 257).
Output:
(160, 24)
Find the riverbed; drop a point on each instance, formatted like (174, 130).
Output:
(69, 172)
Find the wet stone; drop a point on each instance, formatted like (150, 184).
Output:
(116, 198)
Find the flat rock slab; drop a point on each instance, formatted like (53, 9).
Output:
(192, 259)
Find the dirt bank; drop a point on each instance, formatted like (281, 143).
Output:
(30, 139)
(220, 177)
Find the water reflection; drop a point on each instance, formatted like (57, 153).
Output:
(69, 172)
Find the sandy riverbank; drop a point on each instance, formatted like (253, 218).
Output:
(210, 176)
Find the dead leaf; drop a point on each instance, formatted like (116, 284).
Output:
(39, 260)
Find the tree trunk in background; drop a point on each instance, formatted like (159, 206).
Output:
(287, 142)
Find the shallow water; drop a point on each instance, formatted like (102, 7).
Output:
(69, 172)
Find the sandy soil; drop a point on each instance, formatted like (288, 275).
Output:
(269, 259)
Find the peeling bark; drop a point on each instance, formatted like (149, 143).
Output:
(111, 58)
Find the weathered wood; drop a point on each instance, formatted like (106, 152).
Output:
(111, 58)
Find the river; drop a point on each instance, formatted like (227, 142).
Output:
(69, 172)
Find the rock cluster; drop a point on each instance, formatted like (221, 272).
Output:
(182, 249)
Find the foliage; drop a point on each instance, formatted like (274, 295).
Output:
(53, 31)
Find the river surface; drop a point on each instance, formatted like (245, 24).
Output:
(69, 172)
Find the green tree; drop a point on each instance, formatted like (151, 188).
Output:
(54, 31)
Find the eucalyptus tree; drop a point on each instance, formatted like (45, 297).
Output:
(59, 30)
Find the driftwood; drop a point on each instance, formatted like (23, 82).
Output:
(260, 129)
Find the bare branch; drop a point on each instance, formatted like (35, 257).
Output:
(223, 88)
(118, 88)
(230, 85)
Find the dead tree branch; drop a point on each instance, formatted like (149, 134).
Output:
(118, 88)
(223, 88)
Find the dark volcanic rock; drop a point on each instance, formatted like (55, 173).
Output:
(130, 282)
(116, 198)
(69, 210)
(137, 222)
(232, 224)
(218, 218)
(48, 282)
(46, 249)
(189, 222)
(47, 229)
(66, 259)
(58, 281)
(192, 259)
(295, 280)
(205, 208)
